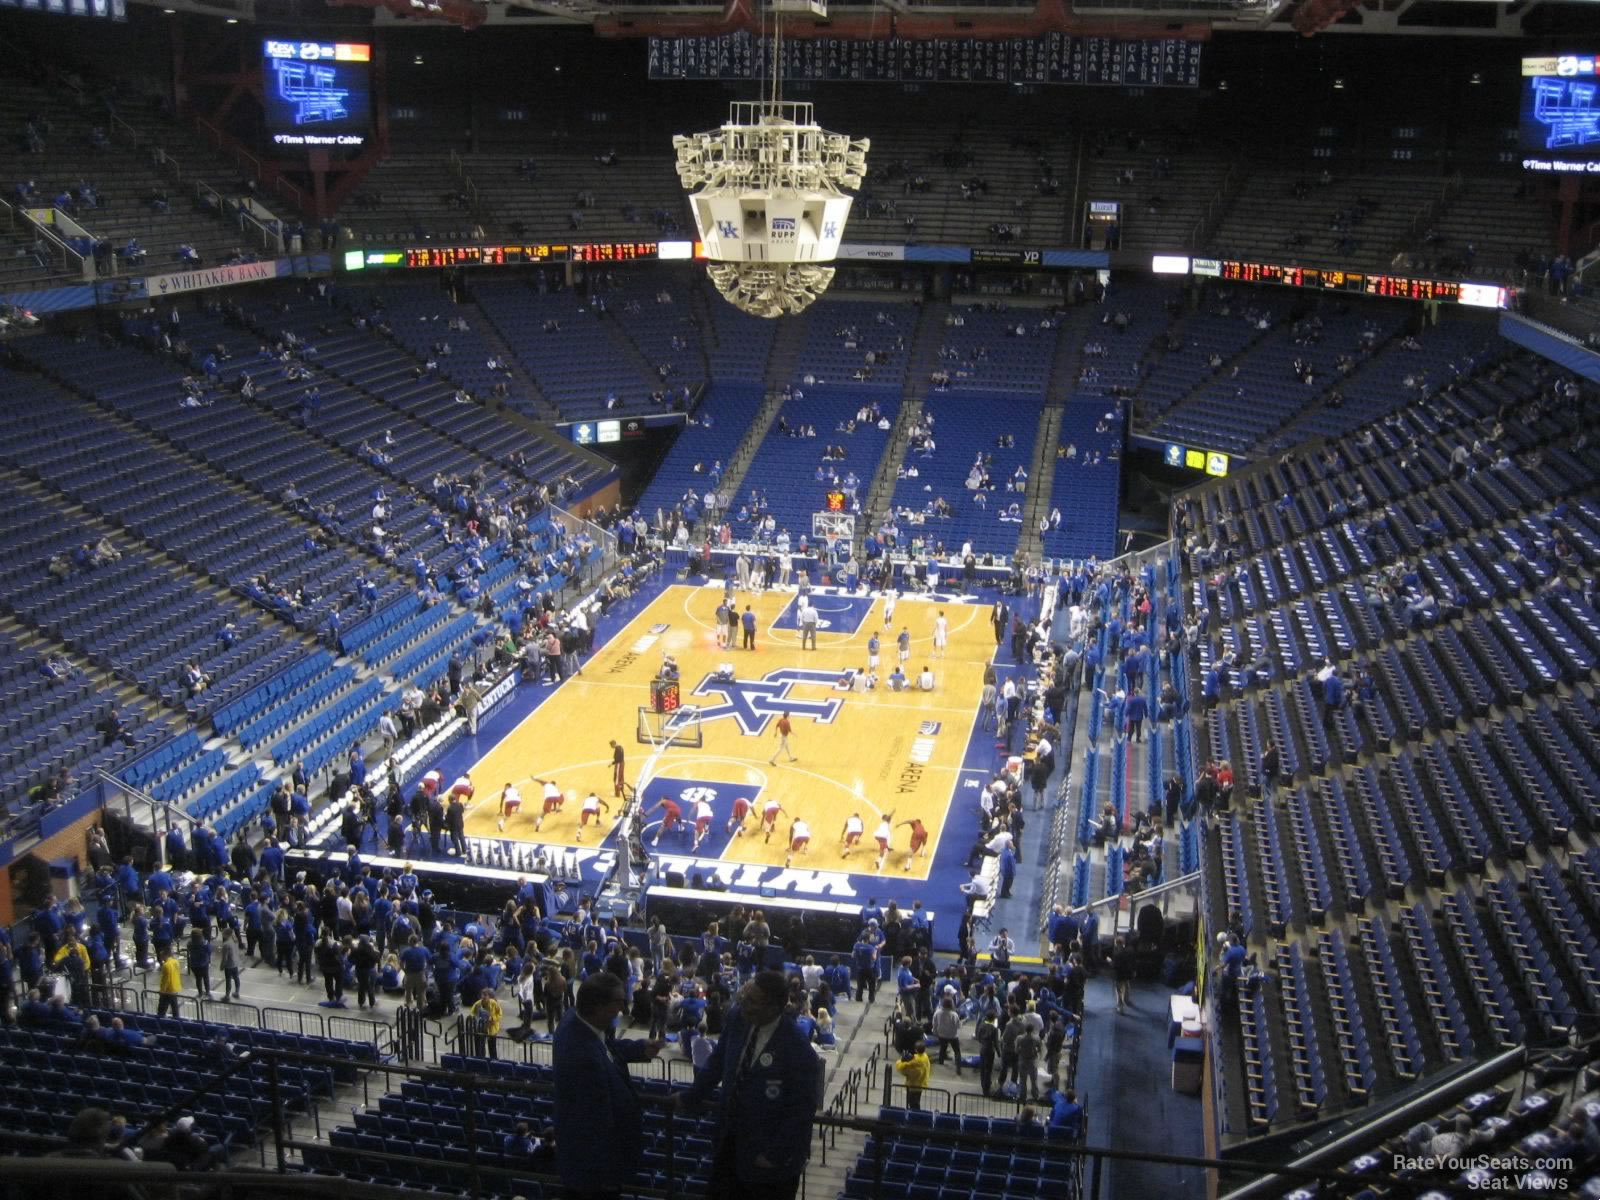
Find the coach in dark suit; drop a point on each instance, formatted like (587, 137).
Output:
(771, 1080)
(599, 1132)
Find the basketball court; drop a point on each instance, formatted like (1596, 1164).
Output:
(907, 755)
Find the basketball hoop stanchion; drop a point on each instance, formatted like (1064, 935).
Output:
(660, 729)
(832, 527)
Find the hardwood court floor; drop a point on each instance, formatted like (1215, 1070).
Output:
(867, 753)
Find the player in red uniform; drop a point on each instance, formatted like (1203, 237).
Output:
(592, 804)
(510, 804)
(769, 817)
(853, 828)
(919, 841)
(553, 800)
(461, 787)
(670, 813)
(430, 784)
(741, 810)
(799, 837)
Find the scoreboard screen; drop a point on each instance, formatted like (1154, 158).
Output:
(1212, 462)
(316, 94)
(834, 501)
(1397, 287)
(1558, 130)
(613, 251)
(523, 254)
(483, 256)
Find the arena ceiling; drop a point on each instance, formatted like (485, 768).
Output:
(876, 19)
(975, 18)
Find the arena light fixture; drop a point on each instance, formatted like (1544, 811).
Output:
(768, 193)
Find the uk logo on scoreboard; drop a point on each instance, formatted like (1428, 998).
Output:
(753, 703)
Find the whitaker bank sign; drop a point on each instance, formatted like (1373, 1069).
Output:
(211, 277)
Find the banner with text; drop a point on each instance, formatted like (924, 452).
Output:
(214, 277)
(876, 252)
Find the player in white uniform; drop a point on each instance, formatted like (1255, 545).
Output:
(592, 804)
(769, 818)
(741, 810)
(702, 821)
(510, 802)
(799, 839)
(941, 634)
(888, 609)
(881, 835)
(553, 800)
(853, 829)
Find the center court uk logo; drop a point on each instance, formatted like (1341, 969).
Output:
(753, 703)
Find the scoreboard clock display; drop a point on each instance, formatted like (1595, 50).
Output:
(664, 695)
(520, 255)
(834, 501)
(613, 251)
(1398, 287)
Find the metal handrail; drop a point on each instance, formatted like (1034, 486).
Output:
(1430, 211)
(459, 167)
(1181, 883)
(603, 538)
(1586, 263)
(244, 158)
(157, 808)
(1232, 183)
(133, 135)
(240, 155)
(85, 264)
(162, 158)
(269, 234)
(288, 190)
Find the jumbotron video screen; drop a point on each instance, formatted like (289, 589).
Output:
(1560, 118)
(317, 95)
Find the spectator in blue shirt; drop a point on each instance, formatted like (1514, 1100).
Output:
(48, 924)
(141, 936)
(1232, 955)
(128, 881)
(1134, 711)
(1008, 870)
(865, 954)
(200, 962)
(1333, 693)
(1066, 1114)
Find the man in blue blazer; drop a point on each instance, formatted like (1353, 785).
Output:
(599, 1126)
(771, 1083)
